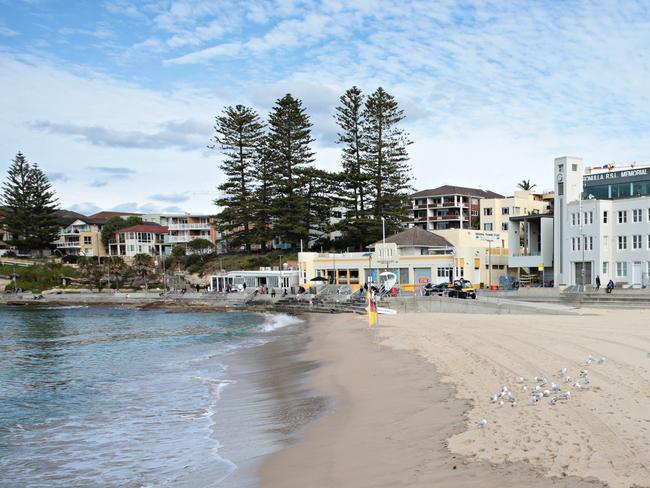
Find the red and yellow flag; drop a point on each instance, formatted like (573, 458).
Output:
(372, 310)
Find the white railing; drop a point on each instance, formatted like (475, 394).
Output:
(205, 226)
(68, 244)
(174, 239)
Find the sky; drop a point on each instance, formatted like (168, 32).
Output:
(116, 99)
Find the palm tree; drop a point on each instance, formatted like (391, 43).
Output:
(526, 186)
(143, 265)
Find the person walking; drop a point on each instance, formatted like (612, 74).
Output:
(597, 283)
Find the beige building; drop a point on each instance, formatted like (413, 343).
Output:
(496, 212)
(417, 257)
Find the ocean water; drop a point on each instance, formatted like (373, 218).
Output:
(122, 397)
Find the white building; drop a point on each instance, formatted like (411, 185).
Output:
(284, 279)
(602, 224)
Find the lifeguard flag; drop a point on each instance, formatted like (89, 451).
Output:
(372, 311)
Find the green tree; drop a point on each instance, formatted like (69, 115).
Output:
(264, 197)
(386, 161)
(350, 119)
(320, 197)
(114, 224)
(93, 271)
(144, 267)
(525, 185)
(200, 246)
(238, 134)
(117, 270)
(289, 153)
(30, 206)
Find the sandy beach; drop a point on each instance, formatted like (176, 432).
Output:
(406, 399)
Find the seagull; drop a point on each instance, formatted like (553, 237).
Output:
(578, 386)
(568, 379)
(602, 360)
(554, 387)
(481, 423)
(561, 372)
(524, 388)
(566, 395)
(535, 400)
(537, 388)
(513, 404)
(546, 393)
(494, 398)
(553, 400)
(584, 373)
(521, 379)
(500, 403)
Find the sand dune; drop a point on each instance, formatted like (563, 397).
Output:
(602, 431)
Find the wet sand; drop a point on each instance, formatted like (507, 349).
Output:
(390, 423)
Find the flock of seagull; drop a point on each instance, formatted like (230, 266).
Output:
(544, 388)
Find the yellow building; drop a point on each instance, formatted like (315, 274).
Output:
(416, 256)
(496, 212)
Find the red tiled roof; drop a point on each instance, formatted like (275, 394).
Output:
(107, 215)
(456, 190)
(156, 229)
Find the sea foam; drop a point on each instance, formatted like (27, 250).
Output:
(277, 321)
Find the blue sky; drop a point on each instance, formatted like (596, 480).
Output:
(115, 99)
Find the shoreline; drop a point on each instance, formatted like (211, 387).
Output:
(390, 423)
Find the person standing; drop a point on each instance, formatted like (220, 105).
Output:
(597, 283)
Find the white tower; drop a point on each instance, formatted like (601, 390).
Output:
(568, 188)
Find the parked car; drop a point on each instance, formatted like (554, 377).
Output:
(439, 289)
(462, 289)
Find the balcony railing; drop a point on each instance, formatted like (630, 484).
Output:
(68, 244)
(179, 239)
(524, 253)
(200, 226)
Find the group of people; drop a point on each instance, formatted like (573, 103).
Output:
(608, 288)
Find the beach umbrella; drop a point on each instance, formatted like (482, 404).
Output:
(318, 278)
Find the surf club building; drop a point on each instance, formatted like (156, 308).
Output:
(601, 223)
(416, 257)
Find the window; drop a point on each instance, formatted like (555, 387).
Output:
(605, 243)
(622, 242)
(605, 217)
(622, 216)
(573, 219)
(505, 211)
(636, 215)
(605, 267)
(621, 268)
(586, 218)
(591, 217)
(560, 168)
(560, 189)
(516, 210)
(636, 242)
(487, 226)
(88, 240)
(487, 211)
(591, 243)
(573, 243)
(444, 272)
(578, 243)
(474, 213)
(574, 167)
(504, 226)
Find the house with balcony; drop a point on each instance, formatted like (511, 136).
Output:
(447, 207)
(139, 239)
(79, 235)
(183, 228)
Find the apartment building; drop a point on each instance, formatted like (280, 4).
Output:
(447, 207)
(81, 235)
(182, 228)
(602, 223)
(496, 212)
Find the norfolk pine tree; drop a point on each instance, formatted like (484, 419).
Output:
(353, 190)
(386, 162)
(289, 154)
(30, 206)
(238, 134)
